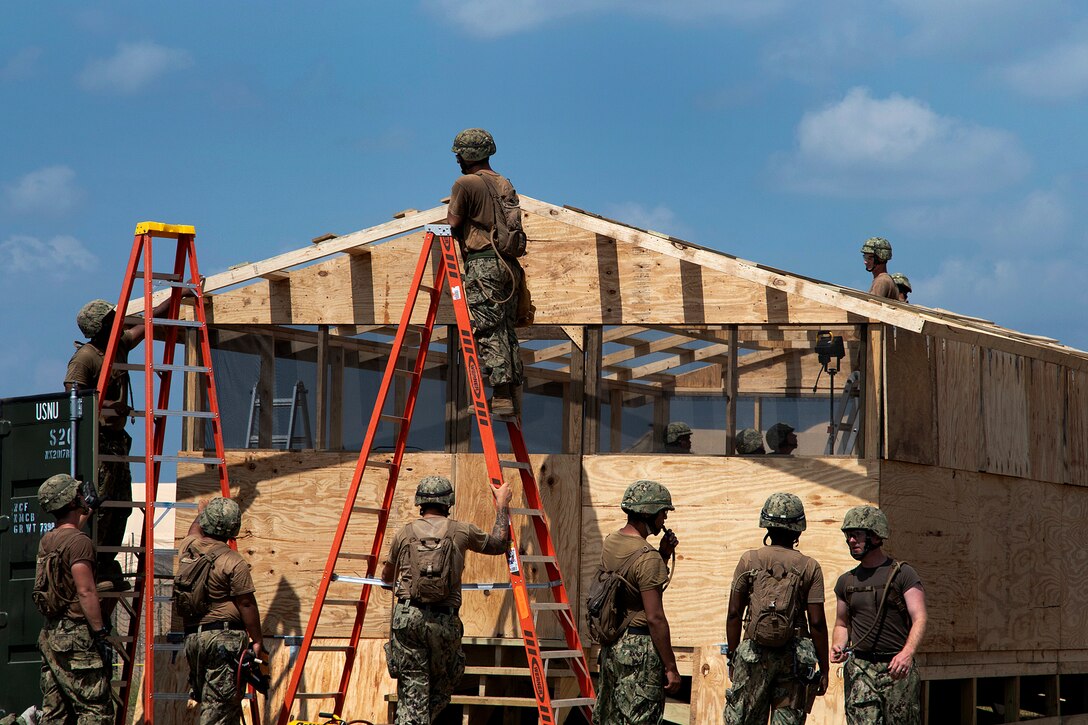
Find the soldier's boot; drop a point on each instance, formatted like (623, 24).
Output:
(517, 393)
(502, 400)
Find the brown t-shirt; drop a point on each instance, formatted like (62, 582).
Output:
(466, 537)
(75, 546)
(812, 577)
(884, 286)
(861, 589)
(646, 573)
(471, 200)
(230, 577)
(85, 367)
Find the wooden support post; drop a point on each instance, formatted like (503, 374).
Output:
(1051, 696)
(968, 709)
(194, 394)
(661, 421)
(266, 384)
(591, 427)
(730, 384)
(458, 422)
(321, 429)
(574, 399)
(615, 421)
(873, 393)
(336, 398)
(1011, 691)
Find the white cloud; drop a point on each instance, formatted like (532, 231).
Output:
(60, 256)
(51, 190)
(896, 147)
(1042, 220)
(496, 18)
(21, 65)
(133, 67)
(659, 218)
(1060, 73)
(987, 28)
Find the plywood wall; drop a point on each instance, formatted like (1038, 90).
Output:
(577, 277)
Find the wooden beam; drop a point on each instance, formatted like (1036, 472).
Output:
(458, 416)
(321, 393)
(872, 401)
(615, 420)
(638, 348)
(266, 390)
(591, 427)
(336, 398)
(574, 400)
(685, 357)
(248, 272)
(730, 383)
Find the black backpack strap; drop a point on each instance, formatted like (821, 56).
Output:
(879, 619)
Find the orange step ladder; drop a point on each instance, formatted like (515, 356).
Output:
(158, 376)
(447, 273)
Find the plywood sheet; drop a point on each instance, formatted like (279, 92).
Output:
(1076, 428)
(933, 517)
(1046, 393)
(1073, 549)
(959, 405)
(717, 511)
(909, 371)
(1005, 413)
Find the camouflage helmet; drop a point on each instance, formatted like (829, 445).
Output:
(474, 144)
(92, 315)
(777, 434)
(675, 431)
(783, 511)
(221, 517)
(57, 492)
(879, 247)
(435, 489)
(901, 280)
(866, 518)
(748, 441)
(646, 497)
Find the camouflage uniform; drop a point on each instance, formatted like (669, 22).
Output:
(632, 681)
(874, 698)
(114, 484)
(425, 656)
(213, 674)
(75, 682)
(487, 283)
(765, 678)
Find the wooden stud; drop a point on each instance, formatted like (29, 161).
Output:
(321, 393)
(1010, 687)
(591, 427)
(730, 385)
(872, 401)
(968, 708)
(266, 383)
(615, 420)
(336, 398)
(458, 415)
(574, 399)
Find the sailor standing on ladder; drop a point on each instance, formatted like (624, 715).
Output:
(95, 320)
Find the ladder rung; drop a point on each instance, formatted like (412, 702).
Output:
(526, 512)
(394, 418)
(404, 373)
(549, 606)
(561, 654)
(573, 702)
(143, 504)
(343, 602)
(388, 465)
(316, 695)
(428, 289)
(169, 646)
(351, 555)
(186, 413)
(175, 696)
(134, 550)
(413, 327)
(331, 648)
(537, 559)
(525, 466)
(366, 510)
(164, 276)
(170, 322)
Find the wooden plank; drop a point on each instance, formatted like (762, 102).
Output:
(731, 384)
(939, 540)
(266, 391)
(959, 405)
(912, 436)
(872, 401)
(336, 398)
(718, 500)
(321, 392)
(1005, 413)
(1076, 427)
(574, 401)
(1074, 560)
(1046, 397)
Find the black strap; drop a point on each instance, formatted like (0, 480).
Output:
(878, 620)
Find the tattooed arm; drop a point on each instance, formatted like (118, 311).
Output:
(499, 538)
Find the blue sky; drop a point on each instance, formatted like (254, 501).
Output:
(782, 131)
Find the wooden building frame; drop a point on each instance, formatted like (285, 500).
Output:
(972, 439)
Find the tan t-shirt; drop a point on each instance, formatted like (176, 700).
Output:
(85, 366)
(812, 577)
(471, 200)
(466, 537)
(230, 577)
(646, 573)
(76, 546)
(884, 286)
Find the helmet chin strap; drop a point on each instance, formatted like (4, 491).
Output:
(868, 547)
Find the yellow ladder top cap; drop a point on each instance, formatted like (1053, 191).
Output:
(165, 230)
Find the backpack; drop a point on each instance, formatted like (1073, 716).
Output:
(53, 593)
(430, 564)
(191, 599)
(508, 236)
(606, 620)
(772, 604)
